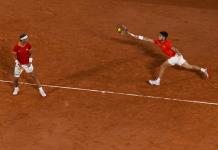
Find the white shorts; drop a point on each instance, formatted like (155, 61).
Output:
(18, 69)
(176, 60)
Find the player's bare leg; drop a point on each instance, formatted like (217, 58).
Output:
(16, 86)
(186, 65)
(163, 67)
(36, 80)
(41, 91)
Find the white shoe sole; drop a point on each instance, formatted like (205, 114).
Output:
(42, 94)
(151, 83)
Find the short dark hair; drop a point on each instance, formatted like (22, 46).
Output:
(164, 33)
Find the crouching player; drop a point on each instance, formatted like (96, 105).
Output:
(23, 62)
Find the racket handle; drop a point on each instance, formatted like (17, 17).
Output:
(131, 34)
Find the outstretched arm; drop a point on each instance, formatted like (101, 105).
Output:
(140, 37)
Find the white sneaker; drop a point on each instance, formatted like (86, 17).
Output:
(154, 82)
(205, 72)
(42, 92)
(16, 91)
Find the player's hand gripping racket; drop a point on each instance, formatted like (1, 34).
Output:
(122, 29)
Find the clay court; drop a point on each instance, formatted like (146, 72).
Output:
(96, 80)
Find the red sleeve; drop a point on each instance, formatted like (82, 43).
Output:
(157, 42)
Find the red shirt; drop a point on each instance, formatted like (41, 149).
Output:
(23, 53)
(166, 47)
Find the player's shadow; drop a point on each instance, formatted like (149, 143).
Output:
(157, 60)
(149, 51)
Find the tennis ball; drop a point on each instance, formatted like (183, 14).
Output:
(119, 30)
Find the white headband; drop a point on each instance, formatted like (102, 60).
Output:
(24, 38)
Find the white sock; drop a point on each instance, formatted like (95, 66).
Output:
(158, 80)
(40, 89)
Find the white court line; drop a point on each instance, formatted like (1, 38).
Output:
(119, 93)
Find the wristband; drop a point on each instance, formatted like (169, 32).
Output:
(141, 37)
(30, 59)
(16, 61)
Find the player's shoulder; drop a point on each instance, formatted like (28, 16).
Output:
(156, 41)
(168, 42)
(28, 45)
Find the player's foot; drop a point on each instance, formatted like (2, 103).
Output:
(42, 92)
(205, 72)
(16, 91)
(154, 82)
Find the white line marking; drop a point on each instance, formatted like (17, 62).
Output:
(119, 93)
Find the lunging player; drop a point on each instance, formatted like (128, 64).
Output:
(174, 56)
(23, 62)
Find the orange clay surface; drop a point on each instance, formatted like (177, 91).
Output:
(75, 44)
